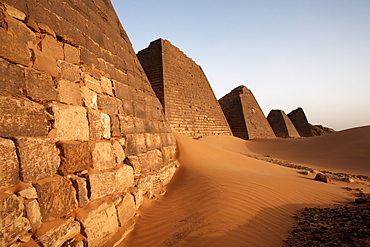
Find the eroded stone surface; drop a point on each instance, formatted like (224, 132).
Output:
(100, 223)
(59, 232)
(80, 185)
(9, 168)
(126, 209)
(39, 158)
(33, 214)
(21, 117)
(56, 197)
(28, 193)
(40, 86)
(102, 155)
(70, 122)
(75, 156)
(12, 81)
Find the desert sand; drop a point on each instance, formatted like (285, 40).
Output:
(220, 197)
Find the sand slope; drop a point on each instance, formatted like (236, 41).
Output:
(220, 197)
(343, 151)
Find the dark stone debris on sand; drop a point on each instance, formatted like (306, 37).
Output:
(341, 225)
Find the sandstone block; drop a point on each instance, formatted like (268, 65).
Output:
(9, 168)
(127, 124)
(323, 178)
(70, 122)
(96, 128)
(128, 107)
(90, 98)
(119, 153)
(157, 140)
(126, 209)
(75, 156)
(56, 197)
(33, 214)
(80, 185)
(69, 71)
(114, 125)
(54, 234)
(138, 195)
(165, 174)
(38, 158)
(139, 125)
(92, 83)
(28, 193)
(19, 117)
(139, 110)
(12, 81)
(71, 54)
(137, 162)
(106, 86)
(145, 184)
(12, 223)
(40, 86)
(123, 91)
(109, 182)
(102, 155)
(13, 48)
(155, 159)
(108, 104)
(52, 47)
(69, 92)
(135, 143)
(45, 63)
(16, 13)
(105, 121)
(99, 223)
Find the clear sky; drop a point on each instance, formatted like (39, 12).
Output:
(309, 53)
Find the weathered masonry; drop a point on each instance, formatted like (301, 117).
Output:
(244, 115)
(184, 91)
(281, 124)
(83, 137)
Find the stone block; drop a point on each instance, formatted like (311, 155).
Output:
(80, 185)
(127, 124)
(52, 47)
(123, 91)
(13, 48)
(71, 54)
(45, 63)
(28, 193)
(12, 80)
(69, 92)
(21, 117)
(16, 13)
(102, 155)
(89, 97)
(92, 83)
(69, 71)
(9, 168)
(99, 222)
(139, 125)
(75, 156)
(105, 121)
(33, 214)
(40, 86)
(56, 197)
(114, 125)
(95, 124)
(108, 104)
(136, 161)
(145, 184)
(12, 223)
(138, 195)
(38, 158)
(109, 182)
(70, 122)
(126, 209)
(165, 174)
(55, 233)
(135, 143)
(128, 108)
(106, 86)
(155, 159)
(139, 110)
(119, 153)
(157, 140)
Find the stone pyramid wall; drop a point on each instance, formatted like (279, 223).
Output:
(281, 124)
(81, 129)
(299, 119)
(184, 91)
(244, 115)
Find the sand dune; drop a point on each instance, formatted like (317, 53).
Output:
(220, 197)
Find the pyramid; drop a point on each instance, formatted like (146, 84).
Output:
(183, 90)
(281, 124)
(298, 118)
(244, 115)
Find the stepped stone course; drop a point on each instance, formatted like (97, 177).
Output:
(244, 115)
(183, 90)
(281, 124)
(74, 102)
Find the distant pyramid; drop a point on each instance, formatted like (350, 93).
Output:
(281, 124)
(244, 115)
(298, 118)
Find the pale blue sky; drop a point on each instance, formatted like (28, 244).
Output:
(309, 53)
